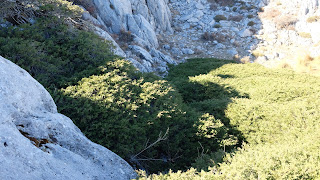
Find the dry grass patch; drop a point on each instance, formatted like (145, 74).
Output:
(313, 19)
(215, 36)
(245, 60)
(258, 53)
(286, 22)
(282, 21)
(125, 36)
(304, 34)
(269, 13)
(308, 64)
(303, 63)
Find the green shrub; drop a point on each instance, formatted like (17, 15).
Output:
(140, 110)
(217, 26)
(55, 54)
(276, 112)
(251, 23)
(250, 16)
(209, 107)
(108, 99)
(219, 18)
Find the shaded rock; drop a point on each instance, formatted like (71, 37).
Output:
(166, 46)
(220, 46)
(139, 26)
(232, 52)
(36, 142)
(139, 65)
(193, 20)
(245, 33)
(162, 57)
(141, 53)
(226, 24)
(186, 17)
(139, 16)
(212, 22)
(187, 51)
(103, 34)
(199, 14)
(199, 6)
(176, 51)
(113, 13)
(161, 14)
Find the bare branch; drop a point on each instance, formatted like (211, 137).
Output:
(160, 138)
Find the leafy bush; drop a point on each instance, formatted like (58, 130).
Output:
(120, 100)
(251, 23)
(54, 53)
(219, 18)
(110, 101)
(117, 101)
(276, 112)
(250, 16)
(210, 107)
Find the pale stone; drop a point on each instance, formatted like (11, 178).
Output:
(26, 106)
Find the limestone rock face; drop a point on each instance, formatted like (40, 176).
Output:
(139, 26)
(36, 142)
(116, 48)
(142, 18)
(113, 13)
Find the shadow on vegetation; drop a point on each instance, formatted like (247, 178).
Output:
(122, 109)
(201, 94)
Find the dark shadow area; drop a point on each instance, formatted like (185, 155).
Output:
(225, 76)
(127, 116)
(206, 97)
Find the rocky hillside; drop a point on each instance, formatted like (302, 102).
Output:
(272, 33)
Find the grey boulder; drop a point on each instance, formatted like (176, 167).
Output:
(36, 142)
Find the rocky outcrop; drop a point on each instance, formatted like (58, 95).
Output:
(290, 29)
(36, 142)
(141, 19)
(140, 27)
(245, 30)
(153, 61)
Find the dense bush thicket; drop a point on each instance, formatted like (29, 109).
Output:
(112, 103)
(53, 53)
(276, 111)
